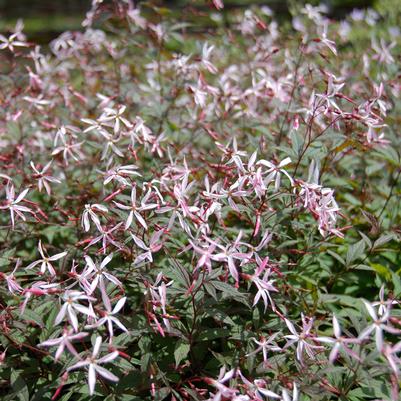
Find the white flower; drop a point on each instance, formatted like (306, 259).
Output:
(134, 210)
(45, 261)
(99, 275)
(378, 326)
(92, 362)
(64, 341)
(43, 179)
(90, 211)
(116, 116)
(12, 203)
(109, 319)
(71, 305)
(275, 171)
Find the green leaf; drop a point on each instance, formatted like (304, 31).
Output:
(180, 352)
(229, 291)
(383, 240)
(19, 386)
(355, 251)
(211, 334)
(381, 270)
(32, 316)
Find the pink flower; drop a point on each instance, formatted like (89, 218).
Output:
(64, 341)
(274, 172)
(71, 306)
(90, 212)
(99, 275)
(93, 363)
(339, 342)
(108, 316)
(12, 203)
(12, 284)
(265, 344)
(134, 210)
(378, 326)
(44, 179)
(301, 339)
(45, 261)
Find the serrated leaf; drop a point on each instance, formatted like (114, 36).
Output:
(19, 386)
(211, 334)
(30, 315)
(355, 251)
(180, 352)
(383, 240)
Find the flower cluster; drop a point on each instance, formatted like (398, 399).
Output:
(209, 219)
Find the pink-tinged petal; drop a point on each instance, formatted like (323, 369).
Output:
(46, 167)
(366, 332)
(141, 220)
(285, 395)
(121, 206)
(336, 327)
(100, 207)
(73, 317)
(33, 264)
(119, 305)
(370, 310)
(113, 279)
(51, 343)
(334, 352)
(129, 220)
(85, 222)
(59, 351)
(41, 249)
(78, 365)
(106, 301)
(142, 257)
(291, 328)
(49, 267)
(379, 339)
(268, 393)
(252, 159)
(21, 195)
(393, 364)
(381, 293)
(106, 261)
(391, 330)
(149, 206)
(43, 267)
(106, 374)
(58, 256)
(78, 336)
(284, 162)
(232, 269)
(139, 242)
(351, 353)
(110, 327)
(133, 195)
(61, 314)
(94, 283)
(90, 264)
(96, 347)
(91, 378)
(119, 324)
(295, 393)
(326, 340)
(108, 358)
(266, 163)
(85, 310)
(22, 209)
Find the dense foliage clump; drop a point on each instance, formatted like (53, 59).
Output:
(201, 206)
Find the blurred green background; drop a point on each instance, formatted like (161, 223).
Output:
(45, 19)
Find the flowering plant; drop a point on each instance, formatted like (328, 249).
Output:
(221, 216)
